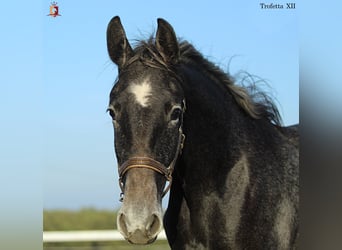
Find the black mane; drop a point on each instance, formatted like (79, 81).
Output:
(255, 102)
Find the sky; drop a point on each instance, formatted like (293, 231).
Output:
(64, 106)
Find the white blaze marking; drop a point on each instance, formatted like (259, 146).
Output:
(142, 92)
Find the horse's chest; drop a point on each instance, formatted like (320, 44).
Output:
(210, 220)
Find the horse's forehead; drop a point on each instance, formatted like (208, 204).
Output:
(146, 89)
(142, 92)
(146, 86)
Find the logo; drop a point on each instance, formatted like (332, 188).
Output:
(54, 10)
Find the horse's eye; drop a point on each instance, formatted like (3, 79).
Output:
(111, 113)
(176, 113)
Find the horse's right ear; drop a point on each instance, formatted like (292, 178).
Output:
(118, 46)
(166, 41)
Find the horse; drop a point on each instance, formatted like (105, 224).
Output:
(183, 125)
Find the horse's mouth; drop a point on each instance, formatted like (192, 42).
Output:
(141, 242)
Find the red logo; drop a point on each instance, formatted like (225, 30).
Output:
(54, 10)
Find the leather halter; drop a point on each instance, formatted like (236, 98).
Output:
(145, 162)
(149, 163)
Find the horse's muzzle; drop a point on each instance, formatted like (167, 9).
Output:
(140, 218)
(140, 233)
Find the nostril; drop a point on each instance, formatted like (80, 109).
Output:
(121, 222)
(154, 225)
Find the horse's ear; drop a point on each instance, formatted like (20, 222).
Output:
(119, 49)
(166, 41)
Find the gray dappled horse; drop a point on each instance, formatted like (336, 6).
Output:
(179, 119)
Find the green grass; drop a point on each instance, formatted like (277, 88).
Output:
(83, 219)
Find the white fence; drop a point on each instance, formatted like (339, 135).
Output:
(90, 236)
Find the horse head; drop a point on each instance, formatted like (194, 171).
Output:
(146, 106)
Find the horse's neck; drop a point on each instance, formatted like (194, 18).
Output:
(211, 110)
(213, 123)
(217, 130)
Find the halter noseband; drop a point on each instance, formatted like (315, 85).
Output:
(145, 162)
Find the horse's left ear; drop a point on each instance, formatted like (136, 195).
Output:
(166, 41)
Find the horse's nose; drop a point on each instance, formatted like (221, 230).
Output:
(139, 230)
